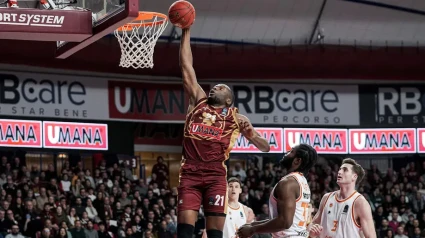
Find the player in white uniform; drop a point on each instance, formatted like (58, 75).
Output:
(344, 213)
(237, 214)
(289, 200)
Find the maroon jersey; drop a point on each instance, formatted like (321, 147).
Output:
(209, 133)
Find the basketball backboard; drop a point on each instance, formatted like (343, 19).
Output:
(107, 15)
(82, 23)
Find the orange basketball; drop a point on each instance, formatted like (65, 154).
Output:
(181, 14)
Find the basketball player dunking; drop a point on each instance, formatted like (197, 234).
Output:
(344, 213)
(211, 129)
(289, 199)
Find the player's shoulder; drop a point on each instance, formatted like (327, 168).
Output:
(288, 179)
(360, 200)
(246, 208)
(327, 196)
(287, 182)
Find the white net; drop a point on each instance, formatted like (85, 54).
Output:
(137, 41)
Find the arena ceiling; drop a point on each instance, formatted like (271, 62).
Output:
(269, 39)
(284, 22)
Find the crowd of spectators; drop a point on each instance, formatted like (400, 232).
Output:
(79, 203)
(109, 202)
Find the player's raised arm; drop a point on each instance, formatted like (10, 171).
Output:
(251, 134)
(190, 82)
(364, 213)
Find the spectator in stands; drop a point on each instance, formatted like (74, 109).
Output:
(238, 171)
(160, 170)
(14, 232)
(400, 233)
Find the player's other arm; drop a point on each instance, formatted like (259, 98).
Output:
(364, 213)
(190, 83)
(315, 227)
(251, 134)
(287, 191)
(250, 216)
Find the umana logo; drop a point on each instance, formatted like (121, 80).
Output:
(16, 133)
(82, 136)
(206, 130)
(315, 140)
(331, 141)
(365, 141)
(382, 141)
(67, 135)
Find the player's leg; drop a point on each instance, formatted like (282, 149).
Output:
(189, 202)
(186, 223)
(215, 205)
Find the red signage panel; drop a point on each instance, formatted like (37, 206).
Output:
(69, 135)
(273, 135)
(421, 140)
(382, 141)
(325, 141)
(19, 133)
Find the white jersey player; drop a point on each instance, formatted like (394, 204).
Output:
(289, 200)
(237, 213)
(344, 213)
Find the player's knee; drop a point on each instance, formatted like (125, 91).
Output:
(185, 230)
(214, 234)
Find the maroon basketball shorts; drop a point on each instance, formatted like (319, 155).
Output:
(204, 184)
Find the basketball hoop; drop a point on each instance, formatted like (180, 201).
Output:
(138, 39)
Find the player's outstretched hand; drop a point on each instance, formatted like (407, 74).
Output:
(315, 230)
(245, 231)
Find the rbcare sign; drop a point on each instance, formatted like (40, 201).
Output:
(298, 104)
(67, 135)
(53, 96)
(273, 135)
(17, 133)
(325, 141)
(392, 105)
(382, 141)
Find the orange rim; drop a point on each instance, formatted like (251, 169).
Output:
(140, 21)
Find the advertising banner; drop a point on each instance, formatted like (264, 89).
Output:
(382, 141)
(140, 101)
(94, 98)
(273, 135)
(67, 135)
(53, 96)
(18, 133)
(392, 105)
(302, 104)
(325, 141)
(421, 139)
